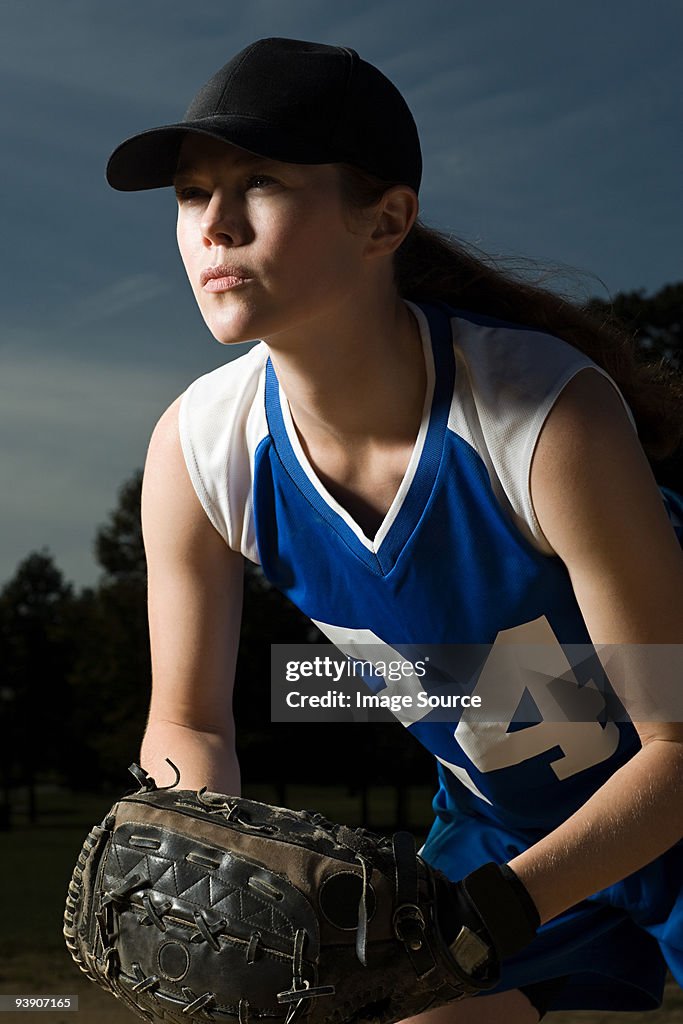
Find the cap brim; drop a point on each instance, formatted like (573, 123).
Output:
(150, 159)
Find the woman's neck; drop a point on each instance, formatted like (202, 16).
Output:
(357, 379)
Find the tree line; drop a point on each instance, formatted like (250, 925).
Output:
(75, 677)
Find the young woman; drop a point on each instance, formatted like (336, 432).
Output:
(419, 451)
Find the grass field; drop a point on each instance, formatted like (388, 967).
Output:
(36, 863)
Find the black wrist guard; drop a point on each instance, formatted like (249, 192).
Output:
(492, 904)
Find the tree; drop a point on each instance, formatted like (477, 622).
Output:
(656, 324)
(119, 547)
(110, 680)
(655, 321)
(37, 646)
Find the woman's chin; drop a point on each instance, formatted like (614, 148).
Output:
(231, 333)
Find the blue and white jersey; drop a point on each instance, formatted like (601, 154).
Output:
(459, 558)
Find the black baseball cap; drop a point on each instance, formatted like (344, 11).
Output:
(289, 100)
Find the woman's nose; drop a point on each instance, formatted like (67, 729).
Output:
(223, 222)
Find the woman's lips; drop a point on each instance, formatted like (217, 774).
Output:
(222, 279)
(223, 284)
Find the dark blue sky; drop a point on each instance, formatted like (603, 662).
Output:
(549, 130)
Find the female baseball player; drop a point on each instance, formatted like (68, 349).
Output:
(419, 451)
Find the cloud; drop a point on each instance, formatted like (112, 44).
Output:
(72, 432)
(115, 299)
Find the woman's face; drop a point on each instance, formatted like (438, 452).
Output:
(268, 246)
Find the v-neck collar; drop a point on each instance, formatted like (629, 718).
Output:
(381, 552)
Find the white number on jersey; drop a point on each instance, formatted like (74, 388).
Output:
(570, 726)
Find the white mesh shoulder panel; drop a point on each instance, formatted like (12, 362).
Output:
(222, 421)
(507, 381)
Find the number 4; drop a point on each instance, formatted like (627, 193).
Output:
(581, 740)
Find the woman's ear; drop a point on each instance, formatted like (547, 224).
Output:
(392, 219)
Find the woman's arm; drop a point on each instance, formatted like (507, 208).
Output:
(195, 604)
(600, 509)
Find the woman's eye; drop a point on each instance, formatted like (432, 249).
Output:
(186, 195)
(260, 181)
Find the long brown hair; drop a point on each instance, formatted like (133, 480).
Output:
(431, 265)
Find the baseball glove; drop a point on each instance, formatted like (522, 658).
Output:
(195, 906)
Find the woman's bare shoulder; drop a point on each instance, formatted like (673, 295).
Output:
(173, 518)
(598, 504)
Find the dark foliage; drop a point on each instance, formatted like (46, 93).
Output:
(37, 647)
(118, 544)
(655, 323)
